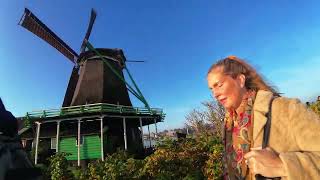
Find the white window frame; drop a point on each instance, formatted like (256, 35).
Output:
(53, 143)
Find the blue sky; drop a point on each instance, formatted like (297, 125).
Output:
(179, 40)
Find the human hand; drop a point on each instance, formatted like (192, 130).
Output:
(265, 162)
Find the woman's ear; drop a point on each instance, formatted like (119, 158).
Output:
(242, 80)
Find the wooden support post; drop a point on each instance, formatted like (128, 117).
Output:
(155, 123)
(125, 133)
(101, 138)
(57, 136)
(149, 136)
(37, 143)
(79, 136)
(141, 129)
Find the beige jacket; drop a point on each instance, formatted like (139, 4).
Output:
(294, 134)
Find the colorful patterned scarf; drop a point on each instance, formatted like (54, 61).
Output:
(238, 138)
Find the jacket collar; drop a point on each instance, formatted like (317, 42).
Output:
(260, 109)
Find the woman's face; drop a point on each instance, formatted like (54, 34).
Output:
(227, 90)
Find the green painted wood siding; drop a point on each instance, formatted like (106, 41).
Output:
(90, 149)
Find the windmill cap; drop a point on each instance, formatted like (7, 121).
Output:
(115, 53)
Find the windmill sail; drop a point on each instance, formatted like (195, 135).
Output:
(92, 19)
(91, 80)
(34, 25)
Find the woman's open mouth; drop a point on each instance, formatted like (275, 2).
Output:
(223, 101)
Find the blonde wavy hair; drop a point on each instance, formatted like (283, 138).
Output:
(235, 66)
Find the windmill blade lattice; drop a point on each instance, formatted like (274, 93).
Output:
(34, 25)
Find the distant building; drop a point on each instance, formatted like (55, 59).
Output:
(171, 133)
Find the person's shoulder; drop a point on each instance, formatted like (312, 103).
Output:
(262, 100)
(291, 103)
(280, 103)
(266, 96)
(293, 108)
(287, 101)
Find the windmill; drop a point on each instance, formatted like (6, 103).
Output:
(91, 81)
(96, 103)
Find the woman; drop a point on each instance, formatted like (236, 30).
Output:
(293, 150)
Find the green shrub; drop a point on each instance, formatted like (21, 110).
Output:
(58, 167)
(75, 171)
(119, 165)
(316, 107)
(213, 168)
(191, 158)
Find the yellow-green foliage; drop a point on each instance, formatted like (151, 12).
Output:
(316, 107)
(58, 168)
(116, 166)
(191, 158)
